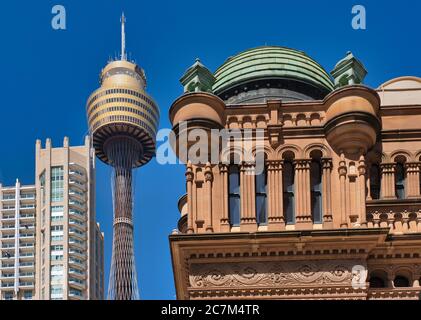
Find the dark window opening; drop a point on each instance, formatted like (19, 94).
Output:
(261, 198)
(234, 195)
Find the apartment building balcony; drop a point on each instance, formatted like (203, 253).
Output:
(26, 265)
(81, 226)
(8, 237)
(8, 199)
(76, 262)
(8, 209)
(78, 195)
(7, 266)
(26, 256)
(27, 246)
(7, 258)
(27, 207)
(76, 272)
(80, 215)
(77, 233)
(27, 276)
(27, 236)
(77, 175)
(77, 205)
(7, 285)
(77, 283)
(7, 246)
(29, 227)
(27, 216)
(26, 285)
(77, 243)
(79, 255)
(7, 228)
(27, 197)
(77, 184)
(8, 276)
(7, 218)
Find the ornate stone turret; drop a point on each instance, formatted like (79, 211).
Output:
(348, 71)
(197, 78)
(352, 120)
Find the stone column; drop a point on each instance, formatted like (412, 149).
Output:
(248, 216)
(303, 203)
(327, 193)
(362, 170)
(342, 170)
(388, 180)
(413, 179)
(189, 181)
(225, 224)
(276, 221)
(209, 181)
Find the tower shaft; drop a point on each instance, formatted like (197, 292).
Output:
(123, 152)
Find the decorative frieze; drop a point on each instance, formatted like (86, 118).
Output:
(275, 274)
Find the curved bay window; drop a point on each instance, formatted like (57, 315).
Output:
(234, 195)
(316, 189)
(375, 178)
(400, 177)
(261, 197)
(288, 191)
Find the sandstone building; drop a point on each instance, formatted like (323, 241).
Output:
(336, 213)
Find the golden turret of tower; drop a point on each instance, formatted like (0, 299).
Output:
(121, 107)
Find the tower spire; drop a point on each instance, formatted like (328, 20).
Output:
(123, 37)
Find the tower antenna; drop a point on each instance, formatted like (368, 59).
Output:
(123, 37)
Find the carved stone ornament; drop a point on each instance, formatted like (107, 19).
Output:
(273, 274)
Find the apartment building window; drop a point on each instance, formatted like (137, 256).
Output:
(57, 184)
(57, 256)
(234, 195)
(56, 292)
(27, 295)
(57, 274)
(56, 233)
(42, 184)
(57, 213)
(8, 296)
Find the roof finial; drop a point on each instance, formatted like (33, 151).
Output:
(123, 37)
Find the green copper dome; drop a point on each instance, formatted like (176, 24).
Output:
(272, 67)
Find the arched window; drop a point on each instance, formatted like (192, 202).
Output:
(378, 279)
(400, 177)
(316, 188)
(401, 282)
(375, 181)
(234, 195)
(377, 282)
(261, 198)
(288, 190)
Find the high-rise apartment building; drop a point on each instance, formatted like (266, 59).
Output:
(17, 242)
(69, 246)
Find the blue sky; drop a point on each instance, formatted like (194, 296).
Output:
(47, 75)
